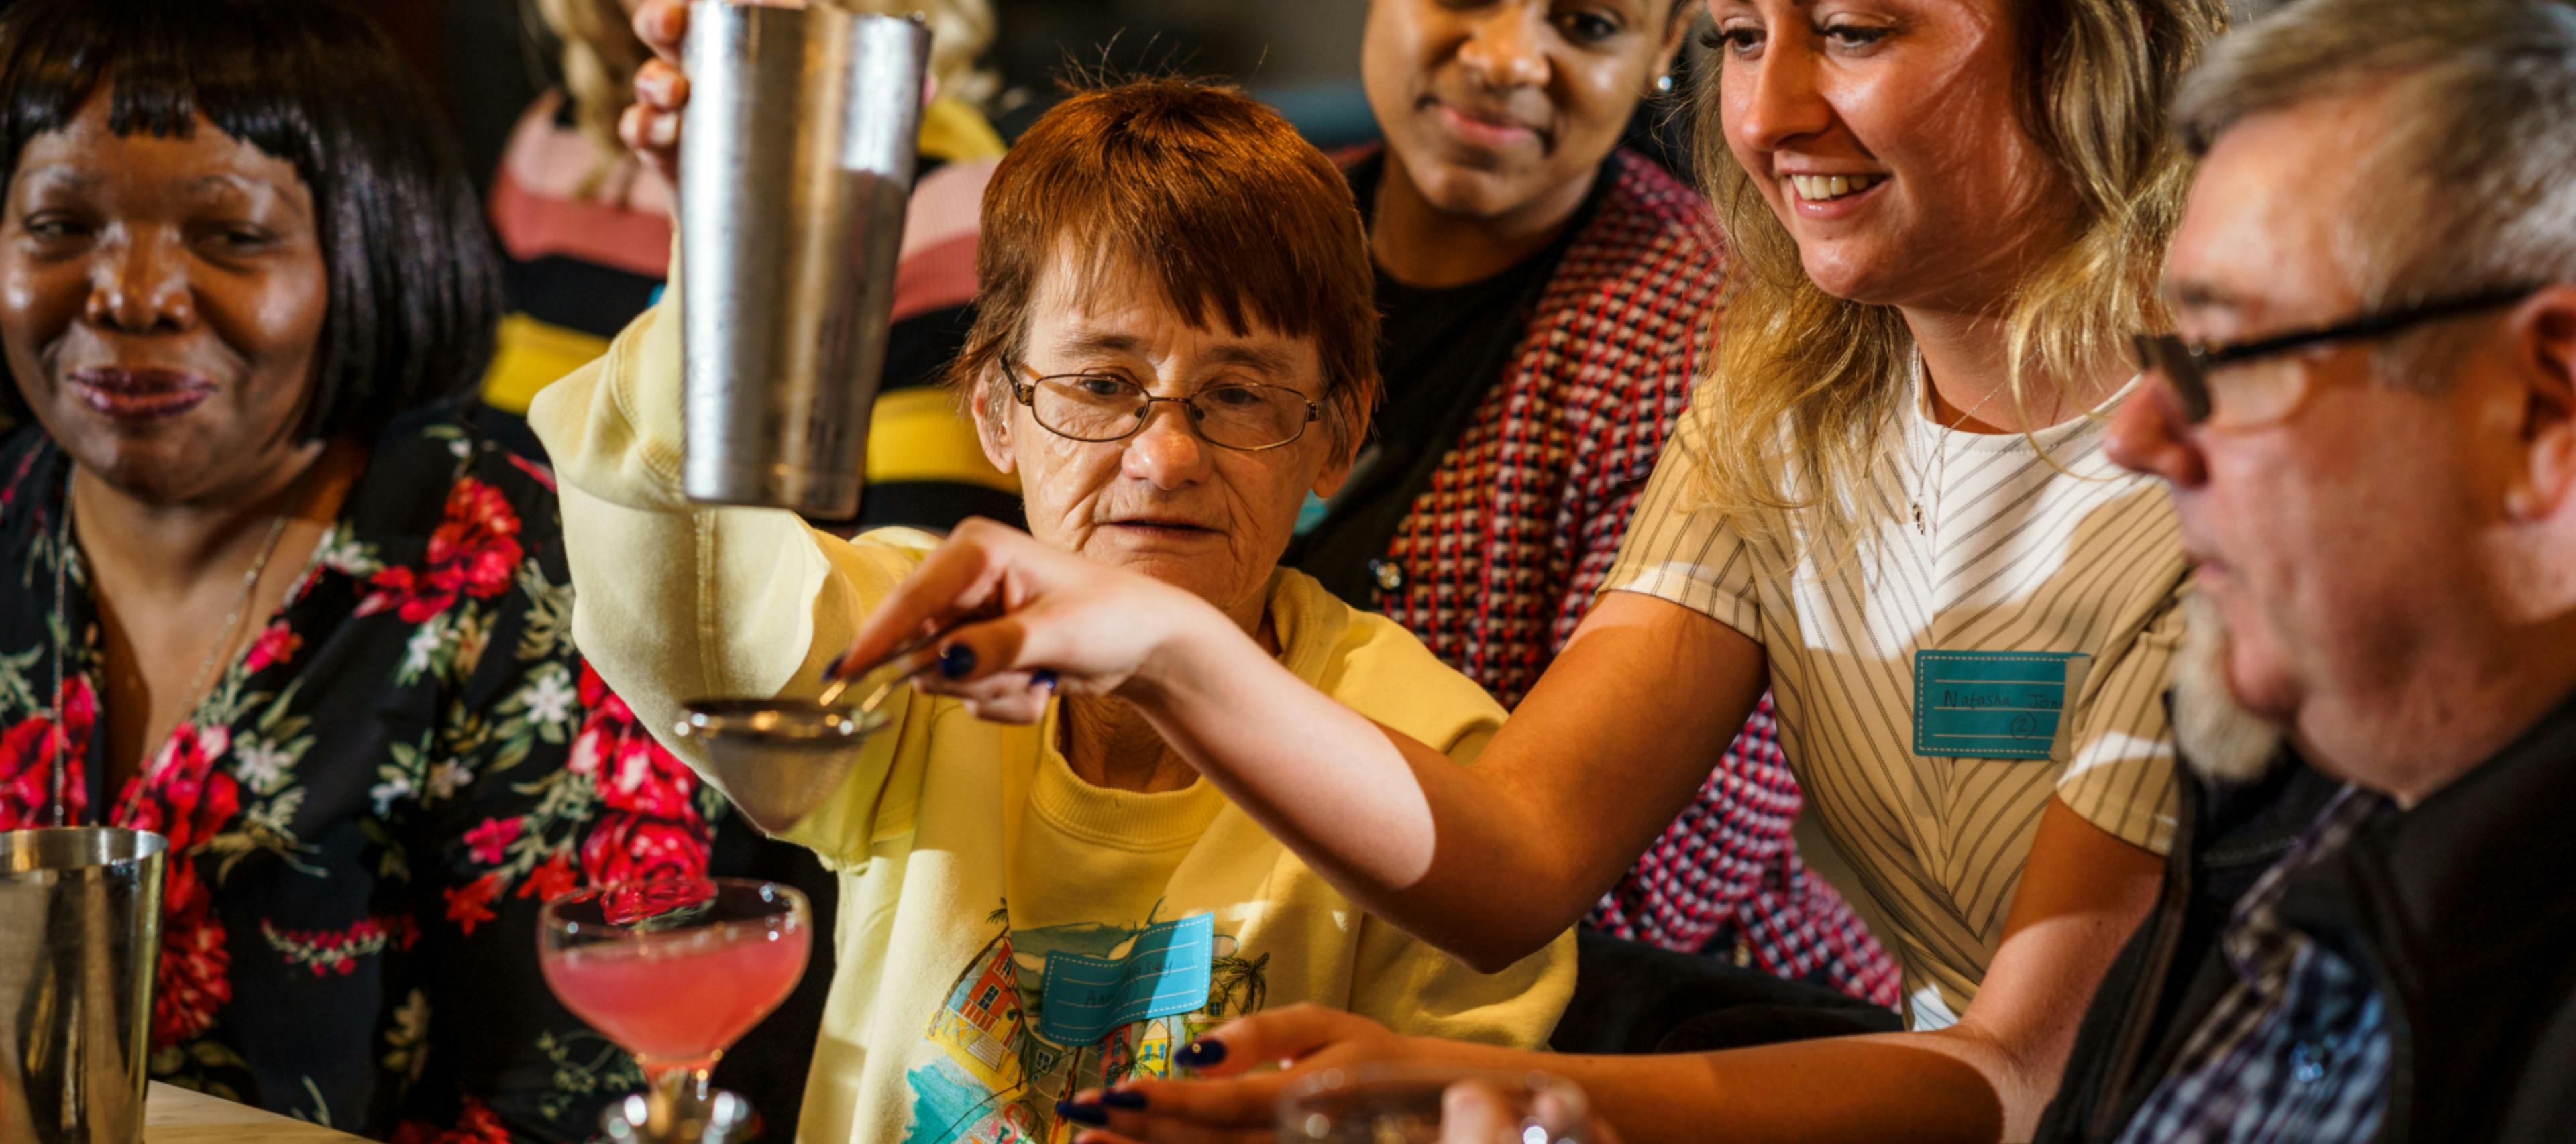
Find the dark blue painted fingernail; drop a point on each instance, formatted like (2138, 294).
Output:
(1043, 677)
(1200, 1054)
(832, 670)
(956, 660)
(1131, 1101)
(1091, 1114)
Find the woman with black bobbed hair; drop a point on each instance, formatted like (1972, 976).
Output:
(277, 589)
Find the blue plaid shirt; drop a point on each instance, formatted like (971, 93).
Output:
(2298, 1049)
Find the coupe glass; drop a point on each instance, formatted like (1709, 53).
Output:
(675, 971)
(1424, 1103)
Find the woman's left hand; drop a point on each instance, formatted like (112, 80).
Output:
(1225, 1105)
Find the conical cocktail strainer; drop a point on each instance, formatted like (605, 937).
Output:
(778, 759)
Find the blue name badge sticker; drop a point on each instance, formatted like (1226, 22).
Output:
(1164, 973)
(1994, 704)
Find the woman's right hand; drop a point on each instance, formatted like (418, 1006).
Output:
(651, 124)
(1023, 617)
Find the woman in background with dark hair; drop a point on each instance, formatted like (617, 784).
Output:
(278, 592)
(1549, 296)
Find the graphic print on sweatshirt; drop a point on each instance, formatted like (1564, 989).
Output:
(1040, 1014)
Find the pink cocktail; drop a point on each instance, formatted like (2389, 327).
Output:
(680, 998)
(676, 971)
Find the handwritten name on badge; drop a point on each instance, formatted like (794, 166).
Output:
(1994, 705)
(1165, 972)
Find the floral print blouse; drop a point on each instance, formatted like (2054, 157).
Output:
(369, 807)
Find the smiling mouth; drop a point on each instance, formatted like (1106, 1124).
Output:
(1827, 188)
(1480, 127)
(139, 395)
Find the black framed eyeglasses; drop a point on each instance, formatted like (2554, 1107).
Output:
(2187, 365)
(1098, 407)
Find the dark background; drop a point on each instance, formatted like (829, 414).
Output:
(490, 58)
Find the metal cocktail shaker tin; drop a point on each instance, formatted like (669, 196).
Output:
(80, 934)
(796, 162)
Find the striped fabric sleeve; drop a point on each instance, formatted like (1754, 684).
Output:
(1681, 549)
(2120, 768)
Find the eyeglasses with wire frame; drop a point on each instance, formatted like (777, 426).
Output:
(2260, 400)
(1099, 407)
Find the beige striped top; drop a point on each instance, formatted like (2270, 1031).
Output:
(2017, 555)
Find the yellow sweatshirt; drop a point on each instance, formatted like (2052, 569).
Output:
(1008, 932)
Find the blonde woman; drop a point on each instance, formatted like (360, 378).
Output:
(586, 226)
(1891, 507)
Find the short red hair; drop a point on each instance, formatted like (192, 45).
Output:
(1232, 214)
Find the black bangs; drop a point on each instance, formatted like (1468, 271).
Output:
(414, 285)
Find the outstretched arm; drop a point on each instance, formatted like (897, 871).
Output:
(676, 601)
(1489, 861)
(1984, 1079)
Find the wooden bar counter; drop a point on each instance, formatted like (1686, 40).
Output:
(173, 1115)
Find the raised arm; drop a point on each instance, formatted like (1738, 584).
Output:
(674, 601)
(1489, 861)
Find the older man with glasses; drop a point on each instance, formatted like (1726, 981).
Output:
(2368, 423)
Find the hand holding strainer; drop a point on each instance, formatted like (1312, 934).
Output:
(778, 759)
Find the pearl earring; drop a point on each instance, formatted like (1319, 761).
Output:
(1664, 84)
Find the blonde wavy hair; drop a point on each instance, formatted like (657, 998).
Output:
(1802, 383)
(601, 55)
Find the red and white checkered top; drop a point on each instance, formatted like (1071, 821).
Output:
(1502, 553)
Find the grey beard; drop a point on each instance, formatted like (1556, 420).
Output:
(2222, 741)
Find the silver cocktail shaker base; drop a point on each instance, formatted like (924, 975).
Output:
(80, 934)
(831, 496)
(796, 166)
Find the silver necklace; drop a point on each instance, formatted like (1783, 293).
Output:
(226, 635)
(1923, 475)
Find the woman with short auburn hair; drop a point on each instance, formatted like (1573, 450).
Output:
(1173, 349)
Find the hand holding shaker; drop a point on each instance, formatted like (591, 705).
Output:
(80, 933)
(795, 167)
